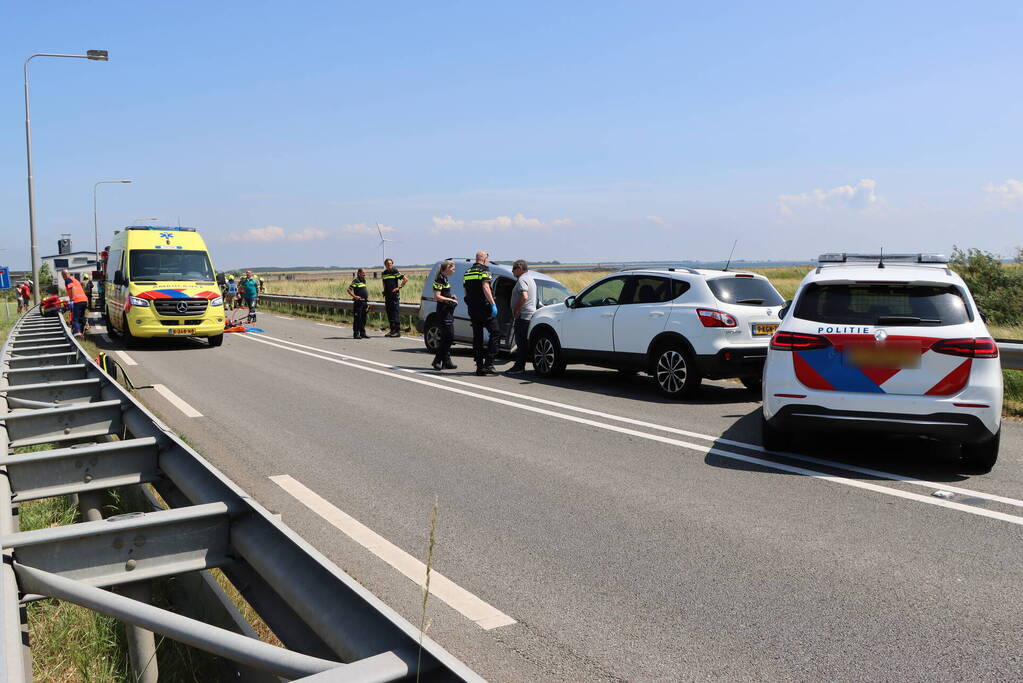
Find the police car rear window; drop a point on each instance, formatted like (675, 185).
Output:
(883, 304)
(745, 291)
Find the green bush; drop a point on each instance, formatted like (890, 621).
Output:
(997, 289)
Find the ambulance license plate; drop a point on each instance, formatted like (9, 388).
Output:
(764, 329)
(183, 330)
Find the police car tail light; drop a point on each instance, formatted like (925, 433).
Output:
(795, 341)
(712, 318)
(980, 347)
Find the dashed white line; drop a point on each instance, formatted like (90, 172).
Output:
(128, 360)
(468, 605)
(927, 500)
(283, 317)
(177, 401)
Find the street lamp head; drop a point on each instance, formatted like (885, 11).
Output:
(97, 55)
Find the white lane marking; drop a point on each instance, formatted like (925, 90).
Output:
(282, 317)
(326, 325)
(128, 360)
(880, 474)
(178, 402)
(927, 500)
(468, 605)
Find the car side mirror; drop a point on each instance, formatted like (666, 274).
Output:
(118, 277)
(570, 302)
(784, 309)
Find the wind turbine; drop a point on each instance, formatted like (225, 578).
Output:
(383, 243)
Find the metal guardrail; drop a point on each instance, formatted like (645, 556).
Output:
(1011, 353)
(335, 304)
(52, 393)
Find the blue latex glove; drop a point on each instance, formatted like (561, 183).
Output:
(493, 310)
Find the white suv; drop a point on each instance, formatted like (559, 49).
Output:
(677, 324)
(893, 344)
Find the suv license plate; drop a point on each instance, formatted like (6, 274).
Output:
(183, 330)
(764, 329)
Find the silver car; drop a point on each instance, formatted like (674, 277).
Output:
(548, 291)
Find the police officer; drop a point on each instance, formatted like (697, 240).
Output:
(446, 302)
(360, 296)
(479, 298)
(393, 282)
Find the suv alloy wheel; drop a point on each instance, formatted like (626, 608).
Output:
(431, 335)
(675, 372)
(547, 358)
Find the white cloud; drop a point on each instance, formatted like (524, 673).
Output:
(274, 233)
(859, 197)
(1010, 192)
(498, 224)
(364, 229)
(657, 219)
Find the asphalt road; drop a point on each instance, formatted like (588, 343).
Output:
(643, 539)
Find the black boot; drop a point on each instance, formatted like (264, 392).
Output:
(437, 364)
(448, 365)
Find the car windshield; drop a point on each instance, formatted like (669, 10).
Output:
(157, 264)
(883, 304)
(745, 291)
(549, 292)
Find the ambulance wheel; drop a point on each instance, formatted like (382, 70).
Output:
(130, 340)
(216, 340)
(980, 457)
(773, 439)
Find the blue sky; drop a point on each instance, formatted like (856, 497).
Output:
(570, 131)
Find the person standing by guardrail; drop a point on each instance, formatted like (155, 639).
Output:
(393, 282)
(446, 302)
(523, 304)
(360, 304)
(249, 288)
(79, 301)
(479, 298)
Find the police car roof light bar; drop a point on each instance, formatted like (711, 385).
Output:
(881, 258)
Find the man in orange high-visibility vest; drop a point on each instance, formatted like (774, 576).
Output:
(79, 301)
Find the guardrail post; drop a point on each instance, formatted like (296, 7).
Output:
(141, 643)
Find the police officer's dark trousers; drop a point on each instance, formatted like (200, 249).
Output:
(446, 325)
(485, 352)
(391, 303)
(359, 308)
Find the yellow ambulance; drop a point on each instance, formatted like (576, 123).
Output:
(160, 283)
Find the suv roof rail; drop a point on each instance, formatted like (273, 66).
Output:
(669, 268)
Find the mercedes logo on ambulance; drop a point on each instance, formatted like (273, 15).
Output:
(182, 307)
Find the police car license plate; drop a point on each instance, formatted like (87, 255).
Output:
(870, 357)
(183, 330)
(764, 329)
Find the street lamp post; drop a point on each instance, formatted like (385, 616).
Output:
(95, 213)
(95, 55)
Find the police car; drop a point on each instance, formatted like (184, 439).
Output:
(677, 324)
(885, 344)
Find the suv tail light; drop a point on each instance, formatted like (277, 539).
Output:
(712, 318)
(795, 341)
(980, 347)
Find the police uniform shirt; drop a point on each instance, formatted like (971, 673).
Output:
(359, 287)
(391, 278)
(442, 287)
(473, 280)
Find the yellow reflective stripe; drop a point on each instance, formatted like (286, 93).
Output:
(391, 277)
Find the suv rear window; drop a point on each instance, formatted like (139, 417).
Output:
(883, 304)
(745, 291)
